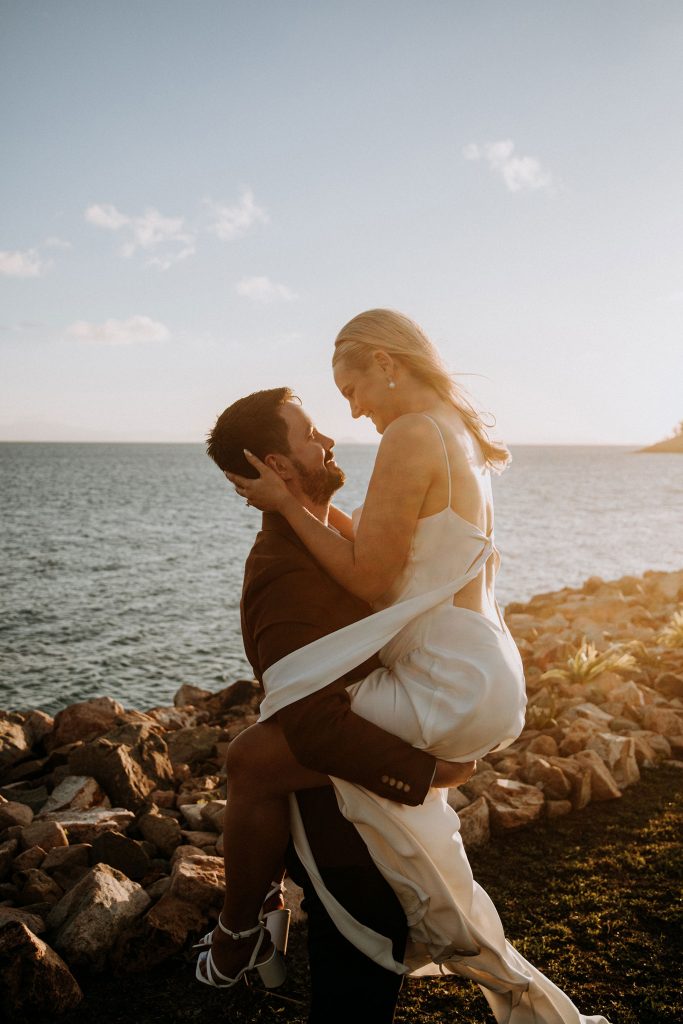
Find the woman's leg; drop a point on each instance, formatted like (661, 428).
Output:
(262, 772)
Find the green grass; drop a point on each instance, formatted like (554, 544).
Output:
(593, 900)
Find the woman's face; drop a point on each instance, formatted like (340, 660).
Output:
(367, 391)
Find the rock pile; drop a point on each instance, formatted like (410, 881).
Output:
(111, 820)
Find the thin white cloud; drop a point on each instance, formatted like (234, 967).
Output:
(26, 263)
(262, 289)
(136, 330)
(230, 222)
(166, 239)
(517, 172)
(54, 242)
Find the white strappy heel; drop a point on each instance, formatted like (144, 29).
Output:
(272, 971)
(276, 921)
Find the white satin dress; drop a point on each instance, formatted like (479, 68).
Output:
(452, 684)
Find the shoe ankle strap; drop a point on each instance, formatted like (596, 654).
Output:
(239, 935)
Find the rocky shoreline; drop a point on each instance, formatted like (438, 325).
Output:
(110, 819)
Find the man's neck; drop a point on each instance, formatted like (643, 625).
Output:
(321, 512)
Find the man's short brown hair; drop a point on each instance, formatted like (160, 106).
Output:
(253, 422)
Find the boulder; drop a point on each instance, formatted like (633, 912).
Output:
(557, 808)
(199, 881)
(670, 684)
(37, 725)
(68, 864)
(213, 813)
(192, 813)
(78, 792)
(665, 721)
(544, 745)
(603, 785)
(44, 833)
(85, 720)
(31, 920)
(580, 779)
(191, 746)
(163, 831)
(206, 841)
(577, 735)
(7, 851)
(116, 769)
(36, 886)
(33, 978)
(475, 823)
(513, 804)
(546, 776)
(122, 853)
(87, 920)
(14, 744)
(148, 747)
(457, 800)
(31, 858)
(85, 826)
(188, 694)
(14, 813)
(619, 754)
(162, 932)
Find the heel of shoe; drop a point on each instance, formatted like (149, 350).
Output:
(274, 971)
(277, 923)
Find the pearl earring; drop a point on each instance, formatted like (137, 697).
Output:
(391, 384)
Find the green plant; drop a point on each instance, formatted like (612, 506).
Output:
(587, 663)
(672, 634)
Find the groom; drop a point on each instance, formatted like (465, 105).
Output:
(288, 601)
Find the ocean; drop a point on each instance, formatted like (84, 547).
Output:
(121, 564)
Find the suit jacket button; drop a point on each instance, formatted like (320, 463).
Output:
(392, 782)
(385, 778)
(406, 787)
(399, 784)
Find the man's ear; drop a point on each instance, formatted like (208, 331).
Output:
(280, 465)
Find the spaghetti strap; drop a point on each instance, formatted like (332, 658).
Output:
(445, 451)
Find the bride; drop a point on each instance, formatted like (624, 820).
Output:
(422, 551)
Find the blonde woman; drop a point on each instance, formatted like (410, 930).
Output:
(422, 551)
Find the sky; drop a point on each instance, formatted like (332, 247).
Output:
(195, 197)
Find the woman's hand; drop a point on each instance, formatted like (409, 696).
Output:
(450, 774)
(268, 491)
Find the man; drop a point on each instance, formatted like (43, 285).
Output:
(288, 601)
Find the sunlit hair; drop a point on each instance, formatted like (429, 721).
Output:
(388, 331)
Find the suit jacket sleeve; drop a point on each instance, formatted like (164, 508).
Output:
(322, 730)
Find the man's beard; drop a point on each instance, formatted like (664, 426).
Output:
(319, 484)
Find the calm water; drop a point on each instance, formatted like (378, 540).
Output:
(121, 565)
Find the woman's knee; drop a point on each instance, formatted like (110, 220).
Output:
(249, 753)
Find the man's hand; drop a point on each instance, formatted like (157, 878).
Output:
(451, 773)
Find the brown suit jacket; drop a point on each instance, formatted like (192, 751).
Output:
(289, 601)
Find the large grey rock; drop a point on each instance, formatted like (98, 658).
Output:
(88, 919)
(122, 853)
(162, 932)
(46, 834)
(475, 823)
(163, 831)
(116, 769)
(191, 746)
(619, 754)
(603, 785)
(199, 881)
(33, 978)
(14, 813)
(85, 826)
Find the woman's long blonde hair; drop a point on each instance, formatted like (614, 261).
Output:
(392, 332)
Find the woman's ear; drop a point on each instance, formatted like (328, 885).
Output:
(384, 362)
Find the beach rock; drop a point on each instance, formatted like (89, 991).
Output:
(78, 792)
(206, 841)
(121, 852)
(14, 743)
(579, 777)
(33, 978)
(549, 777)
(188, 694)
(116, 770)
(557, 808)
(164, 832)
(619, 754)
(513, 804)
(665, 721)
(578, 735)
(33, 921)
(192, 813)
(85, 826)
(191, 746)
(68, 864)
(670, 684)
(475, 827)
(85, 720)
(89, 918)
(457, 800)
(161, 933)
(544, 745)
(213, 813)
(199, 881)
(603, 785)
(148, 748)
(44, 833)
(36, 886)
(27, 793)
(163, 797)
(7, 852)
(31, 858)
(14, 813)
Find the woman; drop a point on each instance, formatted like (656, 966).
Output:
(423, 553)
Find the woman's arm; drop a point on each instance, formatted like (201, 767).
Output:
(406, 464)
(340, 522)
